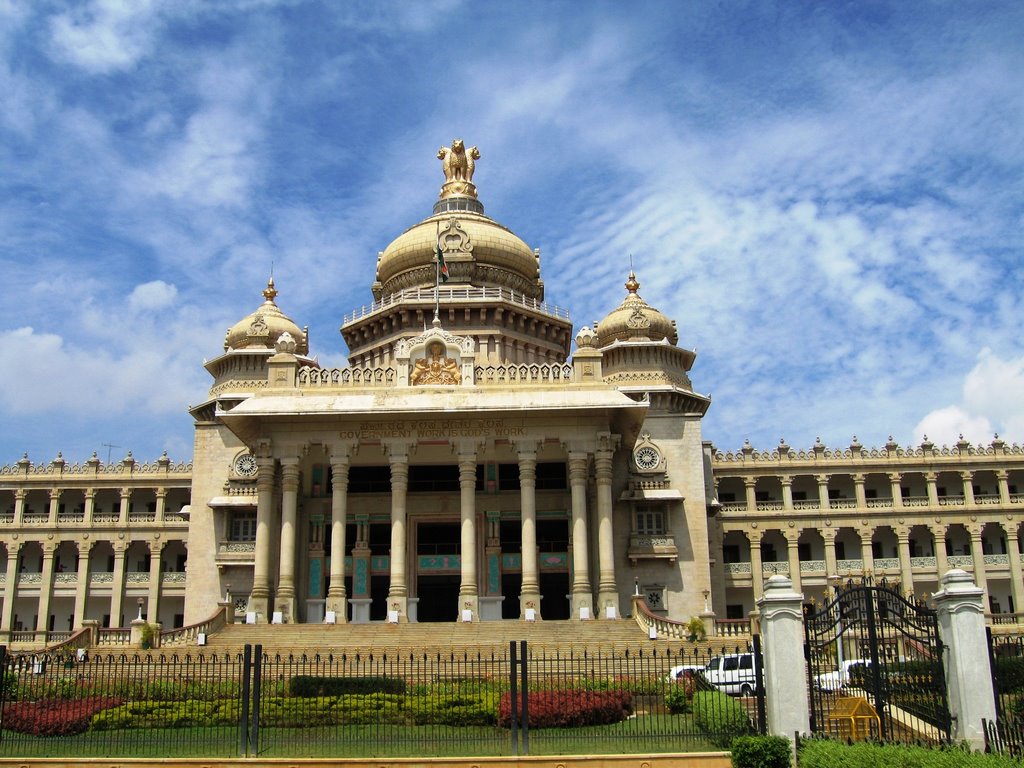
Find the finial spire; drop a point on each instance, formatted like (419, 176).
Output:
(631, 284)
(270, 292)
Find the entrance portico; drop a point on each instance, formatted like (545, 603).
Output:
(459, 473)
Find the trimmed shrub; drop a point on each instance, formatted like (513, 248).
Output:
(761, 752)
(570, 709)
(822, 753)
(464, 709)
(55, 717)
(167, 714)
(308, 685)
(720, 718)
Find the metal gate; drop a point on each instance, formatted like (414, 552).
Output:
(874, 666)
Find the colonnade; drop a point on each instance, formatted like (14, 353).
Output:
(266, 599)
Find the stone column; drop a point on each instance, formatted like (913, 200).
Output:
(750, 489)
(45, 588)
(582, 596)
(831, 566)
(469, 593)
(156, 550)
(785, 670)
(961, 609)
(906, 572)
(398, 592)
(867, 555)
(361, 599)
(82, 583)
(939, 535)
(1003, 479)
(10, 586)
(90, 505)
(19, 507)
(823, 500)
(54, 505)
(931, 480)
(756, 566)
(607, 590)
(1013, 551)
(336, 597)
(284, 601)
(161, 504)
(978, 556)
(967, 477)
(529, 594)
(897, 493)
(858, 489)
(787, 491)
(125, 508)
(793, 555)
(259, 597)
(117, 587)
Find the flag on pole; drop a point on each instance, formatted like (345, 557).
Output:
(442, 268)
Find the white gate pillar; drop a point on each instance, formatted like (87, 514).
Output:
(785, 670)
(968, 672)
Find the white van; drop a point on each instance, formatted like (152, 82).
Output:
(735, 673)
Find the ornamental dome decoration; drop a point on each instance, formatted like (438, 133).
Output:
(265, 327)
(478, 251)
(635, 320)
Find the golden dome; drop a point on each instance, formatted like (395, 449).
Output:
(263, 328)
(477, 251)
(635, 320)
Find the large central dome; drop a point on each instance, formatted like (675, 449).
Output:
(478, 251)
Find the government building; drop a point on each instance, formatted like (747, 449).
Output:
(481, 459)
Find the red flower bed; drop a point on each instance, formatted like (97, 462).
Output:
(55, 717)
(569, 709)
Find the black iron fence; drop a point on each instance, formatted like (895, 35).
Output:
(1006, 733)
(509, 701)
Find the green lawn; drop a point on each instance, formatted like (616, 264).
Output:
(641, 734)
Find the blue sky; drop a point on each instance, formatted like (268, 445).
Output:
(826, 196)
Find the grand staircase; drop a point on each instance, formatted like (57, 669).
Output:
(547, 637)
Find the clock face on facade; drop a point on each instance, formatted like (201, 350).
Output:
(245, 465)
(647, 457)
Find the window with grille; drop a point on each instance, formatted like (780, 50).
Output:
(650, 520)
(243, 526)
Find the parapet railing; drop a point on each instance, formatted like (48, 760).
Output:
(190, 634)
(464, 293)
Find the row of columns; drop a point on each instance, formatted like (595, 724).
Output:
(283, 600)
(81, 584)
(903, 539)
(89, 507)
(860, 492)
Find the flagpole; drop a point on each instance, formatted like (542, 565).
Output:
(437, 275)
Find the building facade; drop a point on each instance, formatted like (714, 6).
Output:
(469, 464)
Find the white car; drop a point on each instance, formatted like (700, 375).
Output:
(839, 679)
(677, 673)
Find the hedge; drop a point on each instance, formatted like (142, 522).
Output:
(761, 752)
(55, 717)
(570, 709)
(821, 753)
(308, 685)
(720, 717)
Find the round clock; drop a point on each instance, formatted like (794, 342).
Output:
(646, 457)
(245, 465)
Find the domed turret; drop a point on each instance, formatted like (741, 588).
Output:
(263, 328)
(635, 320)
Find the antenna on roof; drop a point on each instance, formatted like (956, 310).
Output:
(109, 447)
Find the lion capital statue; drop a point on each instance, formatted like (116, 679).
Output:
(458, 162)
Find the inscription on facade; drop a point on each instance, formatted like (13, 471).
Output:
(433, 429)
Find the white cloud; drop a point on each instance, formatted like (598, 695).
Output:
(153, 295)
(105, 35)
(993, 401)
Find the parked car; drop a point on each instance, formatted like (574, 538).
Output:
(679, 672)
(840, 678)
(734, 673)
